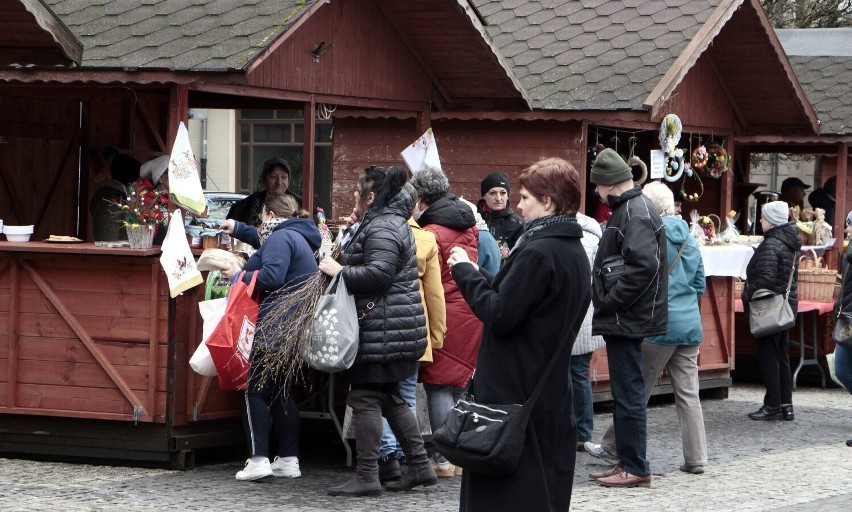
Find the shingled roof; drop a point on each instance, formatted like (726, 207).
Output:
(822, 59)
(180, 35)
(592, 54)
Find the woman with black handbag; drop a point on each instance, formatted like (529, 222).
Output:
(769, 269)
(531, 311)
(843, 330)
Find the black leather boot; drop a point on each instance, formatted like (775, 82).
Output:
(367, 420)
(787, 412)
(389, 469)
(766, 413)
(407, 431)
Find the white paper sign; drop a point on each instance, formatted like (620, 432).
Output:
(658, 164)
(422, 153)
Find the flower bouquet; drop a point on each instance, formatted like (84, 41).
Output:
(143, 208)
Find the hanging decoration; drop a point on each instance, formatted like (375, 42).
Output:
(717, 160)
(635, 161)
(692, 197)
(670, 132)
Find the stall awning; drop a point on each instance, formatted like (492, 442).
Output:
(32, 35)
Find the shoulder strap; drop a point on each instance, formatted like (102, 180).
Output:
(790, 281)
(677, 258)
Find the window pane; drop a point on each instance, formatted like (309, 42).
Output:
(299, 132)
(323, 132)
(271, 132)
(245, 132)
(256, 114)
(245, 166)
(322, 182)
(288, 114)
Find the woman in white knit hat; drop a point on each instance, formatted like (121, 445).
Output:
(770, 268)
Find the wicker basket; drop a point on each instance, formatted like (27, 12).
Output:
(816, 283)
(739, 284)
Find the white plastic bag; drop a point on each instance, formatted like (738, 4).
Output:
(334, 330)
(211, 313)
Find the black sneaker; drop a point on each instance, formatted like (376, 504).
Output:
(389, 469)
(767, 413)
(787, 412)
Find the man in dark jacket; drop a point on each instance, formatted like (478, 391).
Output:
(505, 225)
(823, 197)
(629, 290)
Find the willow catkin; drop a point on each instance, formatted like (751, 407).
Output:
(284, 334)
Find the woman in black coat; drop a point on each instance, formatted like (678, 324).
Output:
(380, 270)
(530, 310)
(770, 268)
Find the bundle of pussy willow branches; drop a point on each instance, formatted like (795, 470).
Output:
(284, 334)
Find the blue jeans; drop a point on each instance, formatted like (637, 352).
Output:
(843, 365)
(628, 392)
(584, 410)
(408, 392)
(441, 399)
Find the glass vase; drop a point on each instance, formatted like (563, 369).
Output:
(140, 237)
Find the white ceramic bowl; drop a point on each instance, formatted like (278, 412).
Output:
(18, 233)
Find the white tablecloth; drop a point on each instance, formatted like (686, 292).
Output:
(726, 260)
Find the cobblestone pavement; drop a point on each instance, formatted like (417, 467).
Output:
(790, 466)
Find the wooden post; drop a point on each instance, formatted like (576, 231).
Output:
(840, 200)
(424, 121)
(178, 111)
(310, 116)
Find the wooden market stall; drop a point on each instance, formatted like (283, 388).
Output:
(501, 86)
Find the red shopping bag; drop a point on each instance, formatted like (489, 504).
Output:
(231, 340)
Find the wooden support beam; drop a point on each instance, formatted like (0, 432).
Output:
(308, 155)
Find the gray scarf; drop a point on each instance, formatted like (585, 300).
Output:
(539, 224)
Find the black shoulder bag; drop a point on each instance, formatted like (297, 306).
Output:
(488, 438)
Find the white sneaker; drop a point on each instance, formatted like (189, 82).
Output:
(255, 470)
(286, 469)
(596, 450)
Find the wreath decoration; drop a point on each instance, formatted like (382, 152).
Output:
(699, 158)
(635, 161)
(692, 197)
(670, 132)
(718, 161)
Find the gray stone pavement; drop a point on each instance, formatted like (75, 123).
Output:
(789, 466)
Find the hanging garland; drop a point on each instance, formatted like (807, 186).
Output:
(692, 197)
(699, 158)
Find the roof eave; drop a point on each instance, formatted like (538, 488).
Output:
(67, 42)
(501, 60)
(690, 55)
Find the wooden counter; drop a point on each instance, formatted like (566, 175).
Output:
(89, 334)
(716, 356)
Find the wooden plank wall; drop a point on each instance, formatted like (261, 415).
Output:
(469, 151)
(56, 374)
(377, 65)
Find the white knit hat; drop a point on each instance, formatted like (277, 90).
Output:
(155, 168)
(776, 212)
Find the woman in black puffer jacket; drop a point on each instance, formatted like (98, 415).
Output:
(769, 269)
(380, 269)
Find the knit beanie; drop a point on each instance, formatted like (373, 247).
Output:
(495, 179)
(776, 212)
(609, 168)
(155, 168)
